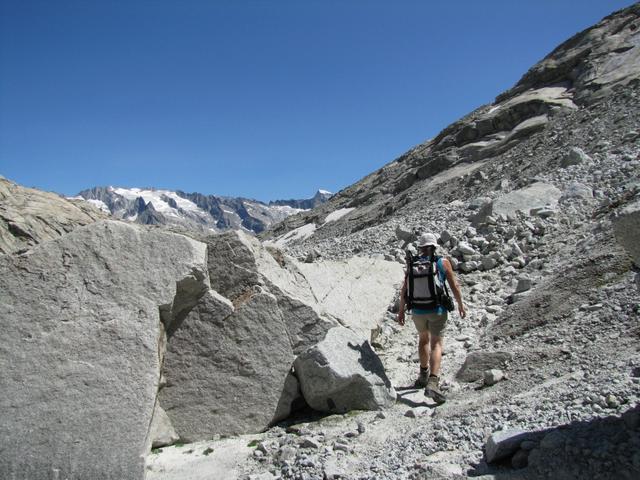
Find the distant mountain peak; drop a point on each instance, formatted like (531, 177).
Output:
(195, 210)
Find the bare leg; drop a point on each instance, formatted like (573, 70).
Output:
(423, 348)
(436, 354)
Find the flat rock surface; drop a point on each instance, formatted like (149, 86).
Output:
(357, 291)
(537, 195)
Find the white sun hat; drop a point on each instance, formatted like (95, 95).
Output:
(427, 240)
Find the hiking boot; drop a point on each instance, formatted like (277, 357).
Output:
(433, 390)
(422, 380)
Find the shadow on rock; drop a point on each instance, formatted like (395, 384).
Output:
(602, 448)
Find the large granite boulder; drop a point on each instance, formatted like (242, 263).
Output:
(82, 321)
(228, 364)
(343, 373)
(477, 363)
(29, 216)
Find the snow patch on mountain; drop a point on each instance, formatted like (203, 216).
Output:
(99, 204)
(338, 214)
(300, 233)
(160, 199)
(194, 210)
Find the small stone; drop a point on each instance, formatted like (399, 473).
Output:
(544, 212)
(405, 234)
(341, 447)
(445, 236)
(630, 136)
(361, 428)
(488, 263)
(612, 401)
(576, 156)
(258, 453)
(478, 203)
(469, 267)
(510, 270)
(595, 307)
(493, 376)
(331, 470)
(310, 443)
(503, 444)
(524, 284)
(381, 415)
(286, 453)
(519, 262)
(465, 249)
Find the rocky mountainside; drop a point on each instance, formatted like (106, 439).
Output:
(131, 351)
(195, 211)
(583, 95)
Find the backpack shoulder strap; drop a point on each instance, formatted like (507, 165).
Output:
(409, 291)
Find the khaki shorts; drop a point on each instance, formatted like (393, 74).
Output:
(435, 323)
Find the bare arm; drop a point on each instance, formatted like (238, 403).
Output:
(455, 288)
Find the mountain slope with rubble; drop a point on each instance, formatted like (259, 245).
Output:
(536, 200)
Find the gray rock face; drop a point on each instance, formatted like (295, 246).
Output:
(343, 373)
(227, 364)
(29, 217)
(226, 373)
(477, 363)
(355, 291)
(536, 195)
(627, 229)
(82, 321)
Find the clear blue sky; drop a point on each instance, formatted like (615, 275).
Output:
(266, 99)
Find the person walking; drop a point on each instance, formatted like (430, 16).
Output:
(423, 290)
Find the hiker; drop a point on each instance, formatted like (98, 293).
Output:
(429, 307)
